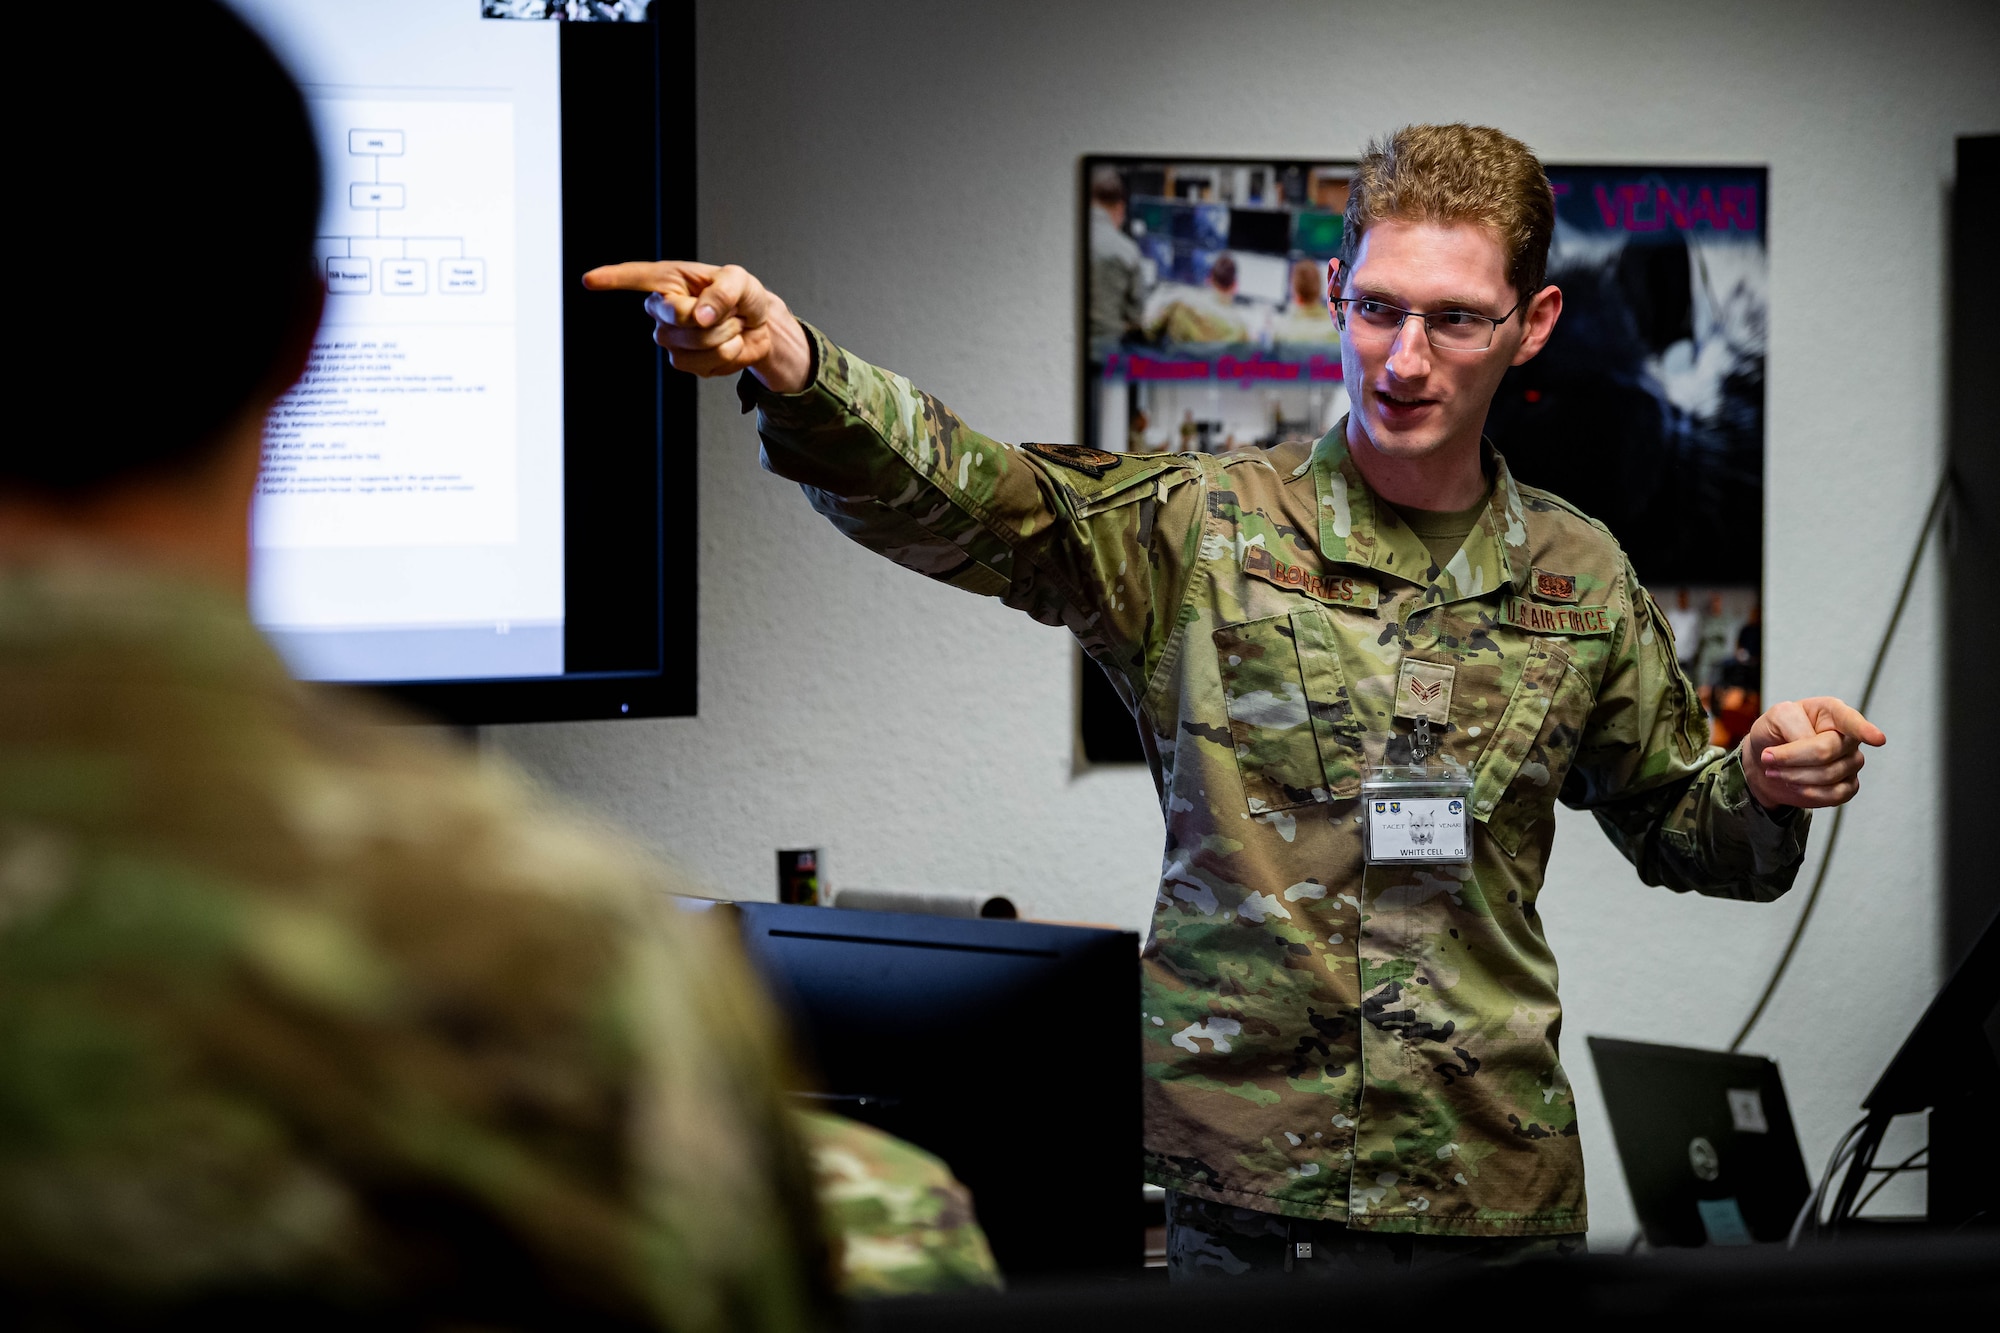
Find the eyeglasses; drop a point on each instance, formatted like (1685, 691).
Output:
(1376, 322)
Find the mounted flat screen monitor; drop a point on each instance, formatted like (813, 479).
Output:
(465, 502)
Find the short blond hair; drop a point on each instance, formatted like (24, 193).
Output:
(1457, 173)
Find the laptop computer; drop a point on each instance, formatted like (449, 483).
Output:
(1706, 1140)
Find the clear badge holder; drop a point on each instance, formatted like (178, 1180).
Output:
(1418, 812)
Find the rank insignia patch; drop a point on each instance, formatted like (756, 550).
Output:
(1091, 462)
(1555, 587)
(1423, 690)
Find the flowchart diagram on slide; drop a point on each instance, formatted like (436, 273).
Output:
(420, 200)
(407, 274)
(403, 430)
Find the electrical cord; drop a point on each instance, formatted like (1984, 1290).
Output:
(1931, 516)
(1889, 1173)
(1812, 1203)
(1863, 1161)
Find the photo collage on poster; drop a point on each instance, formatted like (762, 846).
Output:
(1207, 330)
(1206, 320)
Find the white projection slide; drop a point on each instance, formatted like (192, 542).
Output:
(402, 432)
(409, 522)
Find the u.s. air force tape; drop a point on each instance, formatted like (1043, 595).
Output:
(1542, 619)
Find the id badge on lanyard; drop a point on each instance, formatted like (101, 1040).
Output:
(1420, 811)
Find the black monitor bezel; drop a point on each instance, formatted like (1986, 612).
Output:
(920, 1070)
(629, 646)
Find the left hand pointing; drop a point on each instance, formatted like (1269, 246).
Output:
(1807, 753)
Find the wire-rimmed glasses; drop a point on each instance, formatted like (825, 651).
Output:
(1374, 322)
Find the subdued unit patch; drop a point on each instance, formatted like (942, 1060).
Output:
(1555, 587)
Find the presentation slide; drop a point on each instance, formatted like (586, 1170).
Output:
(409, 523)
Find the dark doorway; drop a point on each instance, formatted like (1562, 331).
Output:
(1972, 885)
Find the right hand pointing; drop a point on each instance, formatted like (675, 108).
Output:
(715, 321)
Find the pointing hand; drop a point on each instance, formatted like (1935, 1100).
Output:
(1807, 754)
(715, 321)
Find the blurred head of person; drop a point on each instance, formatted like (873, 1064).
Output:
(1308, 288)
(190, 300)
(1222, 274)
(1451, 221)
(1107, 193)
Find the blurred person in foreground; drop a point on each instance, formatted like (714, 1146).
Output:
(298, 1013)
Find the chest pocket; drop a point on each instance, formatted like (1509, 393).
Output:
(1289, 711)
(1518, 776)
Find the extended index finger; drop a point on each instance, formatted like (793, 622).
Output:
(1837, 715)
(1835, 729)
(669, 277)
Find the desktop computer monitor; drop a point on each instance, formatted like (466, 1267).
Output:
(1007, 1048)
(475, 496)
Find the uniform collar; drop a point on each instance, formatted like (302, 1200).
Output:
(78, 609)
(1353, 530)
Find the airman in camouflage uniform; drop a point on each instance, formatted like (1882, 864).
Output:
(1325, 1038)
(294, 1005)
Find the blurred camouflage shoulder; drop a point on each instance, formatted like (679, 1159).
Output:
(294, 999)
(898, 1222)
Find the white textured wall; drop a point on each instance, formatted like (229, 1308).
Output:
(905, 174)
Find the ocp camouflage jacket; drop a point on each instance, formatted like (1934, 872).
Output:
(1325, 1038)
(298, 1008)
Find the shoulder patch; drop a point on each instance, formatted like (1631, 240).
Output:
(1539, 619)
(1555, 587)
(1077, 458)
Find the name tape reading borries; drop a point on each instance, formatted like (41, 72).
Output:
(1335, 589)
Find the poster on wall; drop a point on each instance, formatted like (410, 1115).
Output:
(1206, 329)
(1206, 325)
(1646, 409)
